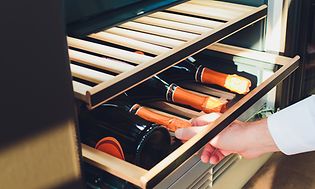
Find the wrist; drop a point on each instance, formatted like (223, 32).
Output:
(259, 133)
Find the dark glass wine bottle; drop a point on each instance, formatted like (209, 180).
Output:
(190, 70)
(172, 123)
(156, 88)
(143, 143)
(168, 121)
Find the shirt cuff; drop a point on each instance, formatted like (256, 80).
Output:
(293, 128)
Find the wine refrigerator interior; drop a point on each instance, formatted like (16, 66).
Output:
(106, 84)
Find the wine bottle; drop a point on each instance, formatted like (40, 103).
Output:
(156, 88)
(172, 123)
(190, 70)
(143, 143)
(111, 146)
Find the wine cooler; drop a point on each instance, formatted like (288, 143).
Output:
(142, 69)
(129, 58)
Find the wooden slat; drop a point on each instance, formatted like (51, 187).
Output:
(206, 11)
(89, 75)
(115, 66)
(80, 87)
(172, 25)
(251, 54)
(187, 19)
(223, 8)
(168, 107)
(222, 4)
(80, 90)
(112, 165)
(108, 51)
(185, 36)
(149, 38)
(131, 43)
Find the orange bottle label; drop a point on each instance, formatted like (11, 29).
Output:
(170, 122)
(110, 146)
(233, 82)
(207, 104)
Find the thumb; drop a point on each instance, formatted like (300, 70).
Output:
(205, 119)
(187, 133)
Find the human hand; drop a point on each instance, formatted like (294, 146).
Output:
(249, 139)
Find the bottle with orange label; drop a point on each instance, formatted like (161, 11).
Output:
(170, 122)
(190, 70)
(112, 129)
(156, 88)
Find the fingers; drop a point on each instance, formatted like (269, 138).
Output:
(216, 157)
(187, 133)
(211, 155)
(205, 119)
(206, 153)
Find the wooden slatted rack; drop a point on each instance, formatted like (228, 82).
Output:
(105, 64)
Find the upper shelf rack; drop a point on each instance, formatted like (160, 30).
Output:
(108, 59)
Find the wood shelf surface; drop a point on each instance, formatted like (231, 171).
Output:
(165, 37)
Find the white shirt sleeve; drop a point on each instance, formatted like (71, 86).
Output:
(293, 128)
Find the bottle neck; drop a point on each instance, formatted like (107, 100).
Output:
(170, 122)
(154, 88)
(205, 103)
(233, 82)
(212, 77)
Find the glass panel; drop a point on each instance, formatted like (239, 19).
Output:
(310, 66)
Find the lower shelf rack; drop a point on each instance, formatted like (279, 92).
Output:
(150, 178)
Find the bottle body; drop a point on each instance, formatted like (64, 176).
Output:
(157, 89)
(188, 70)
(142, 142)
(183, 71)
(152, 89)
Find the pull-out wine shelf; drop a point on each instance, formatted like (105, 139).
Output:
(281, 67)
(105, 64)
